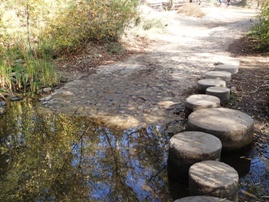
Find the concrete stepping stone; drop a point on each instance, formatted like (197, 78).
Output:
(200, 101)
(203, 84)
(222, 93)
(213, 178)
(189, 147)
(233, 69)
(201, 199)
(225, 76)
(232, 61)
(232, 127)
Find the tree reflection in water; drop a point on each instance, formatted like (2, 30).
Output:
(46, 157)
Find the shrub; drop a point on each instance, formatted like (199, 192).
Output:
(262, 29)
(34, 31)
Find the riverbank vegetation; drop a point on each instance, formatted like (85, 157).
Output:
(35, 32)
(260, 34)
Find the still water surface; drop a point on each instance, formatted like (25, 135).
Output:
(49, 157)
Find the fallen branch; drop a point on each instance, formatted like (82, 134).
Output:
(267, 85)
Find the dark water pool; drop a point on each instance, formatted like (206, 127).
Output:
(46, 157)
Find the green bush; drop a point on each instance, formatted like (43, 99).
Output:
(261, 31)
(34, 31)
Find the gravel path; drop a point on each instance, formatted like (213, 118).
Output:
(151, 88)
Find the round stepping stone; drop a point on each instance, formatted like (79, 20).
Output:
(233, 69)
(203, 84)
(225, 76)
(201, 199)
(213, 178)
(232, 61)
(200, 101)
(232, 127)
(189, 147)
(222, 93)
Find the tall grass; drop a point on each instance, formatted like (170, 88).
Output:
(24, 72)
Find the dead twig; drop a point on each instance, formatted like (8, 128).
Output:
(267, 85)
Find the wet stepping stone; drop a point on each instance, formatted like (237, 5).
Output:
(203, 84)
(213, 178)
(225, 76)
(189, 147)
(222, 93)
(200, 101)
(233, 69)
(201, 199)
(232, 127)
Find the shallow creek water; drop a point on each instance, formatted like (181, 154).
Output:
(53, 157)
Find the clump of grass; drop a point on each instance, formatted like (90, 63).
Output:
(192, 10)
(25, 72)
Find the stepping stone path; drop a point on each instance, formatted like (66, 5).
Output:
(214, 178)
(233, 69)
(232, 127)
(187, 148)
(201, 199)
(222, 93)
(203, 84)
(225, 76)
(200, 101)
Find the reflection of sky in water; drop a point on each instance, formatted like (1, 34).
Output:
(256, 182)
(136, 168)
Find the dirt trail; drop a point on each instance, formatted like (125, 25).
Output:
(151, 88)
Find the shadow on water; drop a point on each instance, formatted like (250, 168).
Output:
(47, 157)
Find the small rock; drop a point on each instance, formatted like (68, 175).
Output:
(2, 111)
(2, 104)
(67, 93)
(154, 109)
(63, 80)
(159, 85)
(16, 98)
(168, 99)
(46, 98)
(147, 110)
(141, 107)
(47, 90)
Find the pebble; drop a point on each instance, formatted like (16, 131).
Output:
(2, 104)
(2, 110)
(46, 98)
(16, 98)
(47, 90)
